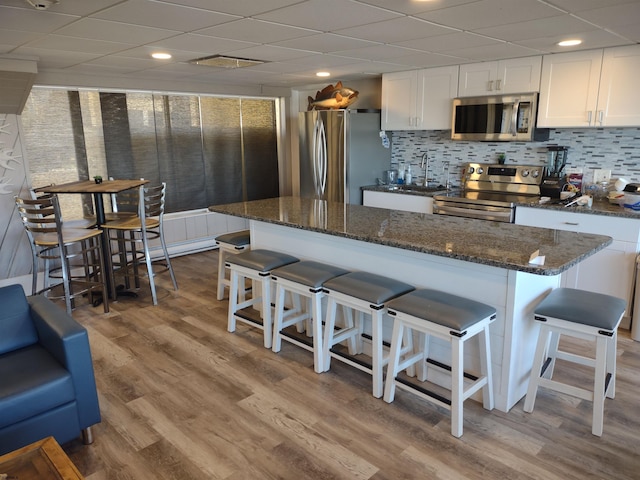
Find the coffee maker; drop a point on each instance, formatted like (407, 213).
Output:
(554, 180)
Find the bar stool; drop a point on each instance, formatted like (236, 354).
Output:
(230, 244)
(257, 266)
(586, 315)
(302, 279)
(454, 319)
(365, 293)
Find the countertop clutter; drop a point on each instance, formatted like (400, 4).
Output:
(505, 245)
(599, 207)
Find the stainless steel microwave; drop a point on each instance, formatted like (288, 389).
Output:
(501, 118)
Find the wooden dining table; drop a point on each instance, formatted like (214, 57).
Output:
(97, 190)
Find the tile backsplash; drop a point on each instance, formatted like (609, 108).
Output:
(615, 149)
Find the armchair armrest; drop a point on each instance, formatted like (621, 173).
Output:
(68, 342)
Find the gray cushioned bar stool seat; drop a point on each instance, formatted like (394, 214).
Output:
(432, 313)
(257, 266)
(365, 293)
(230, 244)
(586, 315)
(302, 279)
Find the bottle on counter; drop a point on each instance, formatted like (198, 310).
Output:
(401, 173)
(407, 175)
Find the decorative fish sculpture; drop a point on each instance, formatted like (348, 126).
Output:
(333, 97)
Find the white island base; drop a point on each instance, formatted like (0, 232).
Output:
(514, 294)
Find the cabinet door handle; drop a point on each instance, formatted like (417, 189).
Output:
(498, 84)
(575, 224)
(490, 87)
(589, 115)
(600, 116)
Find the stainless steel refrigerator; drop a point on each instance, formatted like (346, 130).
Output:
(340, 151)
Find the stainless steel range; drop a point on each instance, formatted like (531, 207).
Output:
(491, 192)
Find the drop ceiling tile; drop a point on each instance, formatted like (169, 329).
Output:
(325, 43)
(162, 15)
(488, 13)
(16, 37)
(590, 39)
(327, 15)
(72, 7)
(129, 63)
(378, 52)
(55, 58)
(492, 52)
(567, 24)
(144, 53)
(236, 7)
(268, 53)
(614, 16)
(33, 20)
(61, 42)
(396, 30)
(99, 70)
(426, 60)
(413, 7)
(321, 62)
(577, 6)
(629, 32)
(452, 41)
(257, 31)
(199, 43)
(115, 31)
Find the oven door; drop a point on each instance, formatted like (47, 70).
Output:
(465, 209)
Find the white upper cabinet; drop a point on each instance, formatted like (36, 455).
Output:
(399, 100)
(593, 88)
(619, 95)
(515, 75)
(419, 99)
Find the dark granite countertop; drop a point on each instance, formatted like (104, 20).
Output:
(503, 245)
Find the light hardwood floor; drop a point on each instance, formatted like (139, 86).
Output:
(181, 398)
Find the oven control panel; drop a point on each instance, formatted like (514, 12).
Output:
(510, 174)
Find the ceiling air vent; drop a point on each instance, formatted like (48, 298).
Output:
(222, 61)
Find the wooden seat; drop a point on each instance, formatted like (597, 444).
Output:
(257, 266)
(365, 293)
(585, 315)
(302, 279)
(230, 244)
(432, 313)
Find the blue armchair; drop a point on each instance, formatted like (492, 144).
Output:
(47, 385)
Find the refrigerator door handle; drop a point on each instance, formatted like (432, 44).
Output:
(319, 157)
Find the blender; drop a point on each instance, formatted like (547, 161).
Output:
(554, 181)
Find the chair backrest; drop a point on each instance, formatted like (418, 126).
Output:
(40, 215)
(152, 201)
(16, 327)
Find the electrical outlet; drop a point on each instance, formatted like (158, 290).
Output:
(600, 176)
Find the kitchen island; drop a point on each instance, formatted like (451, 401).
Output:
(485, 261)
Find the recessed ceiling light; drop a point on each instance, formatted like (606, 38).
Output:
(161, 55)
(569, 43)
(322, 74)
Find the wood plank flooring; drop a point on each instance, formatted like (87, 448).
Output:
(181, 398)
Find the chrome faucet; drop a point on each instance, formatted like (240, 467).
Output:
(424, 163)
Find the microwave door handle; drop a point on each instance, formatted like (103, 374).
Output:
(514, 119)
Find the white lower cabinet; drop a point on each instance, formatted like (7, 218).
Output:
(610, 271)
(398, 201)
